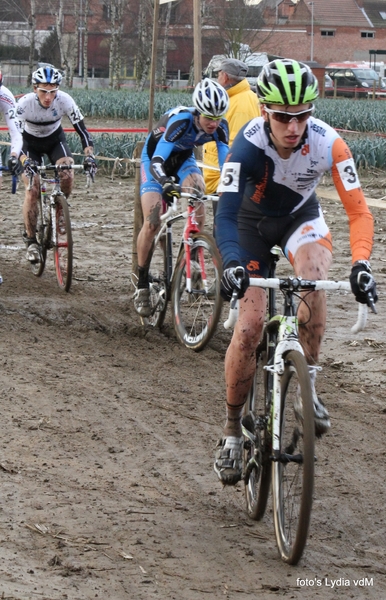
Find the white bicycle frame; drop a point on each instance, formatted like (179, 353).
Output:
(288, 340)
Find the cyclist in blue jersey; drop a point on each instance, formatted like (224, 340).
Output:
(168, 166)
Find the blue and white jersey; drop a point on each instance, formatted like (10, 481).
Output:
(177, 134)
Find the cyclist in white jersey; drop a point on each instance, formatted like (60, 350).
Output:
(8, 108)
(40, 115)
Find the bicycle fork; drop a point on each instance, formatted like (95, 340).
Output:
(287, 340)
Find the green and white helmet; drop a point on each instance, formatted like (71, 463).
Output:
(288, 82)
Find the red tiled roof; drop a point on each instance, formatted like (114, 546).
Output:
(332, 13)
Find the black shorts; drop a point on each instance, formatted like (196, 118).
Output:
(54, 146)
(259, 234)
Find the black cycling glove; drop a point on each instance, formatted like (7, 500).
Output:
(14, 165)
(89, 164)
(234, 278)
(362, 283)
(170, 191)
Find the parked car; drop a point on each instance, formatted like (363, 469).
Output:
(354, 80)
(328, 82)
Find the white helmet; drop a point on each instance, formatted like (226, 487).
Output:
(210, 98)
(47, 74)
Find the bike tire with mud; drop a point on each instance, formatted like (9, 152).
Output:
(159, 289)
(196, 314)
(293, 469)
(63, 248)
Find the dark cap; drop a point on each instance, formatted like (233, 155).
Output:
(233, 67)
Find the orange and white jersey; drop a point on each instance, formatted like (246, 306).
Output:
(256, 181)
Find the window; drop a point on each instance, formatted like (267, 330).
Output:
(327, 32)
(367, 34)
(106, 11)
(382, 15)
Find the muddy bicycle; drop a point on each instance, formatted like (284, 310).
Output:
(53, 229)
(279, 440)
(191, 282)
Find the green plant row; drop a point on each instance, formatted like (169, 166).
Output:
(355, 115)
(109, 146)
(123, 104)
(363, 116)
(367, 152)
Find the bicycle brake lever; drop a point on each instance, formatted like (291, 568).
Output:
(371, 303)
(366, 281)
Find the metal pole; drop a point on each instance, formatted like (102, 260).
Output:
(312, 30)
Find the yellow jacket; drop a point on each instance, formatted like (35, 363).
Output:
(243, 106)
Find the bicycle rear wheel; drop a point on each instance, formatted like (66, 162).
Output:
(195, 314)
(257, 451)
(159, 294)
(63, 247)
(293, 471)
(38, 267)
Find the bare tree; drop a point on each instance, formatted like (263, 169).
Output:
(144, 51)
(85, 42)
(240, 27)
(165, 46)
(115, 65)
(32, 25)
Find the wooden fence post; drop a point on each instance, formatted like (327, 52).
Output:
(138, 217)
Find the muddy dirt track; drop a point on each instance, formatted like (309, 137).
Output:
(107, 436)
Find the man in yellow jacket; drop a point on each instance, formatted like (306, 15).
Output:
(243, 106)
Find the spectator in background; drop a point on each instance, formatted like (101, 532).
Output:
(243, 106)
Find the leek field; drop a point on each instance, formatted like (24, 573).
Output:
(362, 123)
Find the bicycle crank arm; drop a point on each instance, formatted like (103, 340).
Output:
(251, 466)
(287, 458)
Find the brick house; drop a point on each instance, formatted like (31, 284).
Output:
(343, 30)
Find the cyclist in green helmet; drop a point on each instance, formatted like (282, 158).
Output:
(268, 198)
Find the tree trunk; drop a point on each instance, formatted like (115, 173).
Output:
(165, 48)
(85, 43)
(144, 53)
(59, 32)
(32, 23)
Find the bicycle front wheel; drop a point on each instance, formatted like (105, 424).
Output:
(196, 313)
(258, 447)
(159, 291)
(63, 247)
(37, 268)
(293, 468)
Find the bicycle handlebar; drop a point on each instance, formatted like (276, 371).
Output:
(70, 167)
(173, 207)
(197, 197)
(297, 284)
